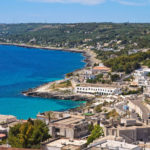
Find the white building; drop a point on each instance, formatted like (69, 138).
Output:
(88, 74)
(141, 78)
(113, 145)
(98, 89)
(7, 118)
(142, 72)
(147, 90)
(65, 144)
(142, 81)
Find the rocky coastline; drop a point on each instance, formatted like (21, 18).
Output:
(56, 95)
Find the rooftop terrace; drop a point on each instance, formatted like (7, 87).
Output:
(63, 142)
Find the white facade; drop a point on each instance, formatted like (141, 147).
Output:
(116, 145)
(98, 90)
(142, 81)
(88, 74)
(7, 118)
(61, 143)
(142, 72)
(147, 91)
(141, 78)
(136, 108)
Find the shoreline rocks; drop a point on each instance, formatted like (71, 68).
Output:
(55, 95)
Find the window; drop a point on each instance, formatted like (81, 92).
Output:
(57, 130)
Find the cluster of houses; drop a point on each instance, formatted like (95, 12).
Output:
(70, 130)
(142, 79)
(125, 119)
(130, 130)
(92, 72)
(82, 87)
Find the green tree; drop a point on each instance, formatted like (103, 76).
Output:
(49, 115)
(98, 108)
(115, 77)
(28, 135)
(90, 127)
(96, 133)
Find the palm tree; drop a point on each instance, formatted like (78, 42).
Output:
(49, 115)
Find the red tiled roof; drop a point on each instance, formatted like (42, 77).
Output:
(101, 68)
(2, 135)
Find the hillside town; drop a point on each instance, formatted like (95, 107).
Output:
(74, 74)
(113, 88)
(116, 114)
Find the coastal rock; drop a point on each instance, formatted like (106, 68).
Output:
(56, 95)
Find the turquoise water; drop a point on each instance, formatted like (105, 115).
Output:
(23, 68)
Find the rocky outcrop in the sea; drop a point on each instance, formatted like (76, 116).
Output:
(62, 89)
(57, 95)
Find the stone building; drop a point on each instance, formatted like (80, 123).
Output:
(130, 130)
(71, 127)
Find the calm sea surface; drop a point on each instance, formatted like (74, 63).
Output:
(23, 68)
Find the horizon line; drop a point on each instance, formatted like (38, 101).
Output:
(128, 22)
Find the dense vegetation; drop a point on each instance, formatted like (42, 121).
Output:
(138, 91)
(115, 77)
(128, 63)
(75, 35)
(28, 135)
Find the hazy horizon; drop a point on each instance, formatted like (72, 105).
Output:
(75, 22)
(74, 11)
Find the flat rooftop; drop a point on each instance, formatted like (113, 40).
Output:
(98, 85)
(5, 117)
(133, 127)
(116, 144)
(112, 144)
(101, 68)
(69, 121)
(63, 142)
(143, 69)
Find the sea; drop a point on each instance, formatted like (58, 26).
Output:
(23, 68)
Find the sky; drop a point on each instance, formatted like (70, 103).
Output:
(74, 11)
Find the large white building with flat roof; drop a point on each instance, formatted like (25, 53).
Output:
(98, 89)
